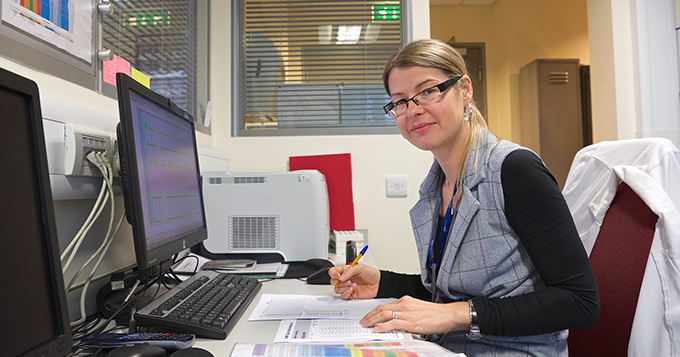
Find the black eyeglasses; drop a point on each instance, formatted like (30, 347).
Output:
(427, 96)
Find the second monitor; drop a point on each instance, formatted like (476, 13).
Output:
(161, 178)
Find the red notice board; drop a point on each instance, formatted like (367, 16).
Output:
(338, 171)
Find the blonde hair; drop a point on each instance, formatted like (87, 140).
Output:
(442, 56)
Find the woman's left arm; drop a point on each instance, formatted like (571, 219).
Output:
(537, 211)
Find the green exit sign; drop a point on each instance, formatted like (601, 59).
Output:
(154, 18)
(386, 13)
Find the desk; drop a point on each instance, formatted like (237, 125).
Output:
(261, 331)
(265, 331)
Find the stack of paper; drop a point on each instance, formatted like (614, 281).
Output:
(308, 318)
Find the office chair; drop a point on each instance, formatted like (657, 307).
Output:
(618, 258)
(625, 201)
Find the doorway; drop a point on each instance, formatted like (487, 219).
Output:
(475, 59)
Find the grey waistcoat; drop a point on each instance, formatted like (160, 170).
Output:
(483, 256)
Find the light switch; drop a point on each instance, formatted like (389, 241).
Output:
(396, 186)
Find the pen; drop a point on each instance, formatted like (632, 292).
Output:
(355, 261)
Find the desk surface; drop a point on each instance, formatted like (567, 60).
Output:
(265, 331)
(261, 331)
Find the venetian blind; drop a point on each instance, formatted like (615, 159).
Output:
(315, 64)
(167, 41)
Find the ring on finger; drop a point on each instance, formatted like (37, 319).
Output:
(394, 315)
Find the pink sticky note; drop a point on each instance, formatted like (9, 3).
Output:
(123, 65)
(109, 69)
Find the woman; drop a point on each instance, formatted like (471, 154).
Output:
(503, 271)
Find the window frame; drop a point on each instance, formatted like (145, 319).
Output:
(110, 90)
(238, 87)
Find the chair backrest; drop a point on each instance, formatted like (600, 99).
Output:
(618, 258)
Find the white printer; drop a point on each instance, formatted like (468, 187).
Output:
(261, 214)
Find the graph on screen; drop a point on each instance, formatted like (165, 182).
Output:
(172, 192)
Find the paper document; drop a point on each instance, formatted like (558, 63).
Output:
(194, 262)
(410, 348)
(270, 269)
(229, 264)
(287, 306)
(330, 330)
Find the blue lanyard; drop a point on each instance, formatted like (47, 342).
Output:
(443, 235)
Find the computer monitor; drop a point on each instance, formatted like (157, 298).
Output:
(160, 174)
(33, 304)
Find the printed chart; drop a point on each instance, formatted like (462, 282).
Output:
(65, 24)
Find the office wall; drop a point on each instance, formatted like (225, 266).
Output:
(631, 46)
(373, 156)
(515, 33)
(634, 71)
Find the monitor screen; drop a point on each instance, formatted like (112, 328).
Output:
(161, 178)
(32, 303)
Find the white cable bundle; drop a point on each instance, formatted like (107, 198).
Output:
(106, 193)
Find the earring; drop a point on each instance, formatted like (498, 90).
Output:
(467, 114)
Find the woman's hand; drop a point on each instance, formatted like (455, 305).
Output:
(359, 282)
(418, 316)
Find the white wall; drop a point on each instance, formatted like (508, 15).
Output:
(373, 156)
(618, 29)
(657, 63)
(634, 69)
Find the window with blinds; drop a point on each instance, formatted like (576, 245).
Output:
(167, 41)
(313, 67)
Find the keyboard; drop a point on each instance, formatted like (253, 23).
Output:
(207, 305)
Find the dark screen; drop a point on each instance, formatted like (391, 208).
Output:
(28, 315)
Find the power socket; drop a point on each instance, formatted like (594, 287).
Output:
(78, 142)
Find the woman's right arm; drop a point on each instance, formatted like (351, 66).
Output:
(358, 282)
(397, 285)
(365, 282)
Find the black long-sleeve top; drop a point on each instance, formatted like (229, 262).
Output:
(537, 211)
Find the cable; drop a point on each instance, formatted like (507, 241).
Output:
(102, 328)
(90, 156)
(106, 170)
(123, 305)
(85, 229)
(108, 238)
(98, 330)
(78, 238)
(102, 192)
(95, 159)
(158, 289)
(176, 261)
(80, 331)
(104, 245)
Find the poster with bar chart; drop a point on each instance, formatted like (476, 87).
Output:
(65, 24)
